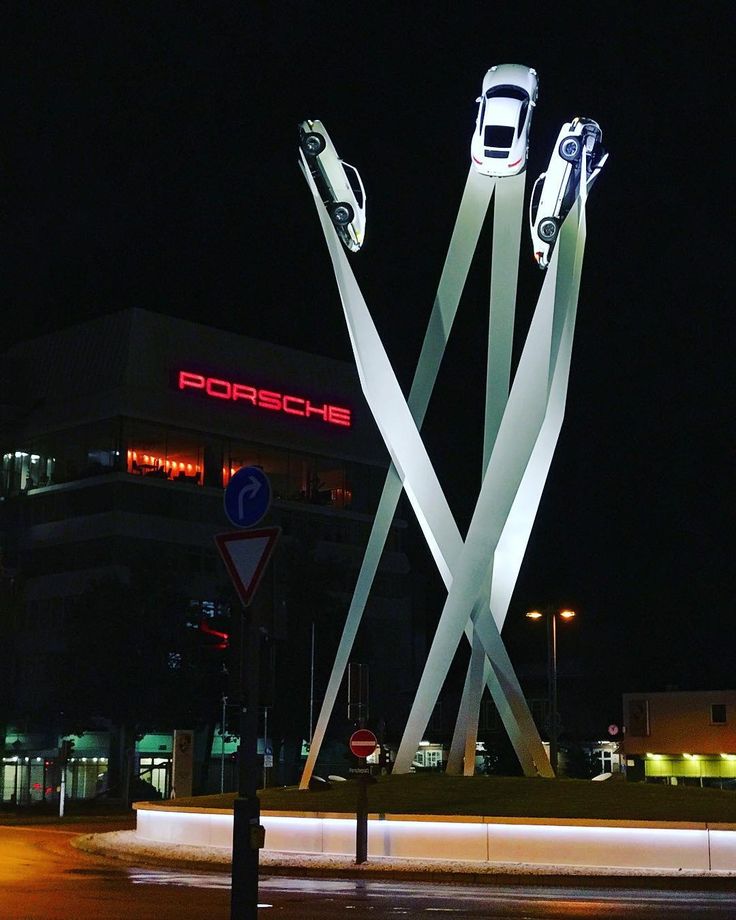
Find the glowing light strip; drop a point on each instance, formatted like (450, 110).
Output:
(487, 840)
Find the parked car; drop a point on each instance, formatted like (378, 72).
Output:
(501, 137)
(339, 184)
(555, 190)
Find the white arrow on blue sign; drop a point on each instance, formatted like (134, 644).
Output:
(247, 496)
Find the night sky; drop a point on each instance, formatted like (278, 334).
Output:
(150, 160)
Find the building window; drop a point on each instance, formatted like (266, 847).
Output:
(23, 470)
(426, 758)
(166, 455)
(540, 711)
(638, 718)
(718, 714)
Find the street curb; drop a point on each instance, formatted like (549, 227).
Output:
(216, 859)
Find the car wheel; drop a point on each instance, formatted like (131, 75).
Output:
(313, 143)
(341, 213)
(570, 148)
(547, 229)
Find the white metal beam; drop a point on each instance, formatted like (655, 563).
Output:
(421, 484)
(471, 214)
(522, 423)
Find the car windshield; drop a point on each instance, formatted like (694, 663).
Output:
(536, 195)
(508, 92)
(352, 175)
(498, 136)
(522, 117)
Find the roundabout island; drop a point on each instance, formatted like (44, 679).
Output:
(481, 824)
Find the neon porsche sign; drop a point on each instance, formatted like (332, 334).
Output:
(234, 391)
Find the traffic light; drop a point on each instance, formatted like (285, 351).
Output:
(66, 750)
(213, 632)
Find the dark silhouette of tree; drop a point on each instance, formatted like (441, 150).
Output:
(316, 592)
(10, 608)
(133, 656)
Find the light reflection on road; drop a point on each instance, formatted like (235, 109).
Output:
(437, 898)
(180, 879)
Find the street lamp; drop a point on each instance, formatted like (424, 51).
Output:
(551, 614)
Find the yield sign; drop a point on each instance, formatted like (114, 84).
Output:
(246, 554)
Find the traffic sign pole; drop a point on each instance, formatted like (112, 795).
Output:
(246, 817)
(362, 744)
(245, 554)
(361, 820)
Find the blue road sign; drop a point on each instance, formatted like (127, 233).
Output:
(247, 496)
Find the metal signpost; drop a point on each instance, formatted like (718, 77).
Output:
(246, 554)
(362, 744)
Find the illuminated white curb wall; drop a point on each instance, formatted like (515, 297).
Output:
(192, 828)
(622, 845)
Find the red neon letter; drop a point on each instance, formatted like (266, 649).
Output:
(339, 416)
(241, 391)
(269, 400)
(213, 383)
(186, 379)
(288, 400)
(315, 410)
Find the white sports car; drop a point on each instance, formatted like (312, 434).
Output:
(339, 184)
(501, 137)
(555, 190)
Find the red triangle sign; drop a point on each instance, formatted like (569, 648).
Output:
(246, 554)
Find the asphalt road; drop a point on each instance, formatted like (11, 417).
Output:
(42, 877)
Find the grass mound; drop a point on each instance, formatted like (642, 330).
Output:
(503, 796)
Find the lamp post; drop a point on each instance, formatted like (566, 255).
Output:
(551, 614)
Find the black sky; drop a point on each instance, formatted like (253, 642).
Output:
(151, 161)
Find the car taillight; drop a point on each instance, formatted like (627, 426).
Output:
(510, 165)
(537, 256)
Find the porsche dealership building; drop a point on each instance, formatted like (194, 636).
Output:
(117, 438)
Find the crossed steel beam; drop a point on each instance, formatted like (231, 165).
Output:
(512, 485)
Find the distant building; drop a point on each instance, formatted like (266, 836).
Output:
(681, 737)
(117, 438)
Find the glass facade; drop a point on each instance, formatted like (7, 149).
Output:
(145, 449)
(25, 780)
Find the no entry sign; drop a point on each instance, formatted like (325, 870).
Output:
(363, 742)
